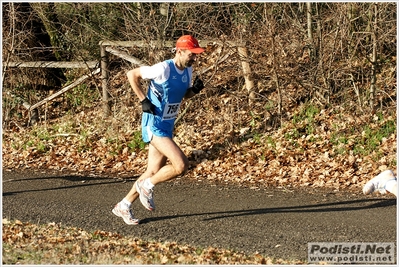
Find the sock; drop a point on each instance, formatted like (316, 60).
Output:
(390, 184)
(125, 204)
(148, 184)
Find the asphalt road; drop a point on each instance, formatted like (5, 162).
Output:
(273, 221)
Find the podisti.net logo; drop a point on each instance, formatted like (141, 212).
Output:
(331, 252)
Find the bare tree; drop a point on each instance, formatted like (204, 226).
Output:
(374, 57)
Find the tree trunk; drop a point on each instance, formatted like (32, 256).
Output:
(104, 79)
(48, 15)
(29, 19)
(374, 58)
(309, 21)
(246, 67)
(310, 31)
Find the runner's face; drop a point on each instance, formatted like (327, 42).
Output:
(188, 58)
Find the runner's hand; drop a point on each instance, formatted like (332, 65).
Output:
(198, 85)
(147, 106)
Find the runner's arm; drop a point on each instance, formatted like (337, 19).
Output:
(134, 77)
(189, 94)
(197, 86)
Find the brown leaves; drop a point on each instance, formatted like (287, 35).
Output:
(225, 141)
(287, 162)
(25, 243)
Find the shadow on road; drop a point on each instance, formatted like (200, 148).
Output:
(77, 181)
(323, 207)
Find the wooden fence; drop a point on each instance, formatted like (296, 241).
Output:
(108, 47)
(32, 109)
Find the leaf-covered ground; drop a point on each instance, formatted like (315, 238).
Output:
(26, 243)
(328, 148)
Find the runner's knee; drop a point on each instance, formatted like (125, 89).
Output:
(181, 167)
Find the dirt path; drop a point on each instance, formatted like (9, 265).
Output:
(274, 222)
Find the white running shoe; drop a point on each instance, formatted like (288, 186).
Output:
(378, 183)
(146, 196)
(125, 214)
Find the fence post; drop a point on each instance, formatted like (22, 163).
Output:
(246, 68)
(104, 80)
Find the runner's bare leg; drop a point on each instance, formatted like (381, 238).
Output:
(161, 149)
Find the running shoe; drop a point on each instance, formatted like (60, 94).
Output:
(146, 197)
(378, 183)
(125, 214)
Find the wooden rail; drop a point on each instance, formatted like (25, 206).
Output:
(106, 47)
(53, 64)
(63, 90)
(124, 56)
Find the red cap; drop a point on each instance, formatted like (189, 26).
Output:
(187, 42)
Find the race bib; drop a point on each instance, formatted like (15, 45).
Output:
(170, 111)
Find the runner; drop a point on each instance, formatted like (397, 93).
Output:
(385, 181)
(170, 83)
